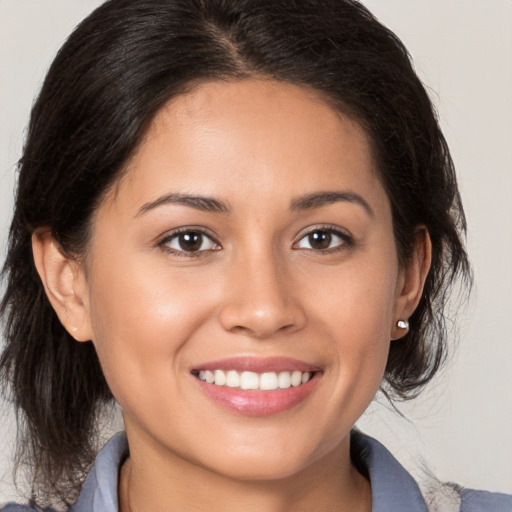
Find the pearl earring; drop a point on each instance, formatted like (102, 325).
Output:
(403, 324)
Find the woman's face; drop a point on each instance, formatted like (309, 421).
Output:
(250, 233)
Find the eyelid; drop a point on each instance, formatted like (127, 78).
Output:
(346, 237)
(164, 241)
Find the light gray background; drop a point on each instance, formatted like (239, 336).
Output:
(461, 427)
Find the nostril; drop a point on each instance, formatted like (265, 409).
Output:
(287, 328)
(264, 328)
(262, 313)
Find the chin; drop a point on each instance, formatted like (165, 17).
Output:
(269, 459)
(260, 468)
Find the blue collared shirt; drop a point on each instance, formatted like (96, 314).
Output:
(393, 488)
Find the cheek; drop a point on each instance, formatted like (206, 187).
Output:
(142, 317)
(355, 308)
(357, 299)
(368, 306)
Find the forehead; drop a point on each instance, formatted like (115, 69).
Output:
(252, 137)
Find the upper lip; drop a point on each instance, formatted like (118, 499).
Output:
(258, 365)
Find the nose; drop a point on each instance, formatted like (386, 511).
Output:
(259, 299)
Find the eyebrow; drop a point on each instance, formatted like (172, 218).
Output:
(205, 204)
(209, 204)
(319, 199)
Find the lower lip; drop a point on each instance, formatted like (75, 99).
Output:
(258, 403)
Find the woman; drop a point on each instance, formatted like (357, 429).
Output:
(226, 210)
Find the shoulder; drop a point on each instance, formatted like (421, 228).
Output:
(485, 501)
(395, 490)
(13, 507)
(99, 491)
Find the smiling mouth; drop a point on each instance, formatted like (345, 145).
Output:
(247, 380)
(256, 386)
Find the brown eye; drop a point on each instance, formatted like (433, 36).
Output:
(190, 242)
(320, 240)
(323, 239)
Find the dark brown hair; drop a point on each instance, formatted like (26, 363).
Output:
(116, 70)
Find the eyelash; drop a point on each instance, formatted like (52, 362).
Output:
(164, 243)
(347, 241)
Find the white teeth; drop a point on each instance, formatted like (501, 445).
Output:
(284, 380)
(220, 378)
(267, 381)
(232, 379)
(296, 378)
(249, 380)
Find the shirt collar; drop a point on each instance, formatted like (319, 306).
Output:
(99, 491)
(393, 489)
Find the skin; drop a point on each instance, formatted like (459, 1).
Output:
(257, 289)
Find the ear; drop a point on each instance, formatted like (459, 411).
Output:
(411, 281)
(64, 283)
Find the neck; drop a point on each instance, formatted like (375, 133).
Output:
(168, 483)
